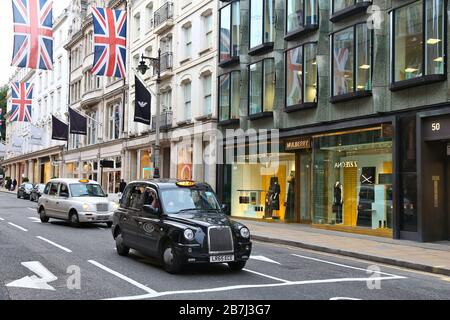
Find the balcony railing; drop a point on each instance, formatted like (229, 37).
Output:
(166, 62)
(163, 14)
(166, 120)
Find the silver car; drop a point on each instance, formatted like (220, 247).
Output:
(75, 200)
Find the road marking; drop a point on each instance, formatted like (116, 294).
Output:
(35, 282)
(121, 276)
(33, 209)
(37, 220)
(1, 219)
(101, 228)
(346, 266)
(55, 244)
(18, 227)
(240, 287)
(266, 276)
(344, 298)
(265, 259)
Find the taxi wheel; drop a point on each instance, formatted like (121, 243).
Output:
(109, 224)
(74, 221)
(171, 259)
(237, 266)
(122, 249)
(44, 218)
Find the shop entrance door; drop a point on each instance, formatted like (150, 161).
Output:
(447, 190)
(304, 186)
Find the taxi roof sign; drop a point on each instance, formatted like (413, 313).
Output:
(186, 184)
(84, 181)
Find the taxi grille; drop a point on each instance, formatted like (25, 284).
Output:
(102, 207)
(220, 240)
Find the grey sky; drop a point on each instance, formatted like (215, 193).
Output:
(6, 27)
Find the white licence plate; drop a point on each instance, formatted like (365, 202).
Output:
(227, 258)
(102, 217)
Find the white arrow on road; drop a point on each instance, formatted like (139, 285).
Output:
(35, 282)
(265, 259)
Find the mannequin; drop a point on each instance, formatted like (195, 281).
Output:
(338, 201)
(274, 191)
(290, 205)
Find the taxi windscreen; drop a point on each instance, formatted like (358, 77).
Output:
(180, 199)
(86, 190)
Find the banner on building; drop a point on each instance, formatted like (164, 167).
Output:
(16, 144)
(33, 34)
(21, 101)
(37, 136)
(110, 42)
(2, 150)
(78, 123)
(143, 101)
(60, 130)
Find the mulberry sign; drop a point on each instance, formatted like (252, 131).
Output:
(298, 144)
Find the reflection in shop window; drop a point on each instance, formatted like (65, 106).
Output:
(352, 179)
(229, 95)
(261, 86)
(229, 31)
(301, 13)
(262, 18)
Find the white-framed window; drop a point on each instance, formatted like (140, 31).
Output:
(166, 100)
(92, 128)
(114, 122)
(149, 19)
(59, 66)
(187, 94)
(208, 30)
(59, 103)
(187, 41)
(207, 94)
(137, 25)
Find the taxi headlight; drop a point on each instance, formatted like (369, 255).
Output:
(189, 234)
(85, 207)
(115, 206)
(245, 233)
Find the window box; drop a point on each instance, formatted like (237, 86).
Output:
(302, 17)
(261, 26)
(351, 96)
(265, 47)
(261, 88)
(418, 44)
(261, 115)
(344, 8)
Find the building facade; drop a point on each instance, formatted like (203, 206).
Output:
(358, 94)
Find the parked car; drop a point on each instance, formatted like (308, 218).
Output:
(180, 223)
(78, 201)
(24, 191)
(37, 192)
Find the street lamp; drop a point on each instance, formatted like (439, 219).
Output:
(143, 68)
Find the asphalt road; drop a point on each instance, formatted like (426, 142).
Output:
(83, 264)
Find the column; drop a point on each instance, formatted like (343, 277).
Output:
(197, 158)
(173, 160)
(212, 167)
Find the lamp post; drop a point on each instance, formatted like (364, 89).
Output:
(143, 68)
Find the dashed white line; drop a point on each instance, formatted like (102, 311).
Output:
(18, 227)
(55, 244)
(1, 219)
(32, 209)
(36, 220)
(267, 276)
(121, 276)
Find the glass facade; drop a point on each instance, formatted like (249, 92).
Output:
(418, 48)
(352, 179)
(262, 22)
(261, 86)
(229, 31)
(229, 96)
(352, 60)
(301, 13)
(301, 75)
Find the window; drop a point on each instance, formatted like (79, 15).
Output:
(351, 62)
(301, 15)
(137, 25)
(229, 96)
(262, 26)
(418, 48)
(187, 101)
(229, 33)
(187, 42)
(92, 128)
(301, 76)
(53, 189)
(114, 122)
(166, 100)
(207, 27)
(207, 94)
(149, 18)
(261, 87)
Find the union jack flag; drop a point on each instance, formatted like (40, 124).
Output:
(110, 41)
(22, 100)
(33, 34)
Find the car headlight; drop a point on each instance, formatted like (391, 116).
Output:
(85, 207)
(189, 234)
(115, 206)
(245, 233)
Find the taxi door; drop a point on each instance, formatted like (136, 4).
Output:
(128, 213)
(49, 201)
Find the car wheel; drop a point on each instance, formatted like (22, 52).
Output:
(31, 198)
(74, 221)
(18, 195)
(237, 266)
(109, 224)
(121, 248)
(171, 260)
(44, 218)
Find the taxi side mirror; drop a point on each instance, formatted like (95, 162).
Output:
(64, 195)
(150, 210)
(224, 208)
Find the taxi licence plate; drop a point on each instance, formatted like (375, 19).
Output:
(102, 217)
(227, 258)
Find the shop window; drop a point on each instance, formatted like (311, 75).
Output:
(261, 88)
(262, 25)
(418, 43)
(229, 96)
(301, 16)
(352, 180)
(351, 63)
(229, 37)
(301, 77)
(342, 9)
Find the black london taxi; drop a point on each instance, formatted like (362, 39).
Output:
(180, 223)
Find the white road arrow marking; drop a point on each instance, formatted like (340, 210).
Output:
(37, 220)
(265, 259)
(35, 282)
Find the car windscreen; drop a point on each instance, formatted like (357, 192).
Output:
(41, 187)
(86, 190)
(185, 199)
(28, 186)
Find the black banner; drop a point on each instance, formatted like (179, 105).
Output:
(78, 123)
(60, 130)
(142, 107)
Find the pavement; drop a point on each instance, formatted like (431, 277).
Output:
(428, 257)
(53, 261)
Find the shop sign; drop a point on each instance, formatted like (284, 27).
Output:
(346, 164)
(298, 144)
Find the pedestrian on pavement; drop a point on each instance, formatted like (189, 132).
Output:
(122, 186)
(14, 185)
(8, 184)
